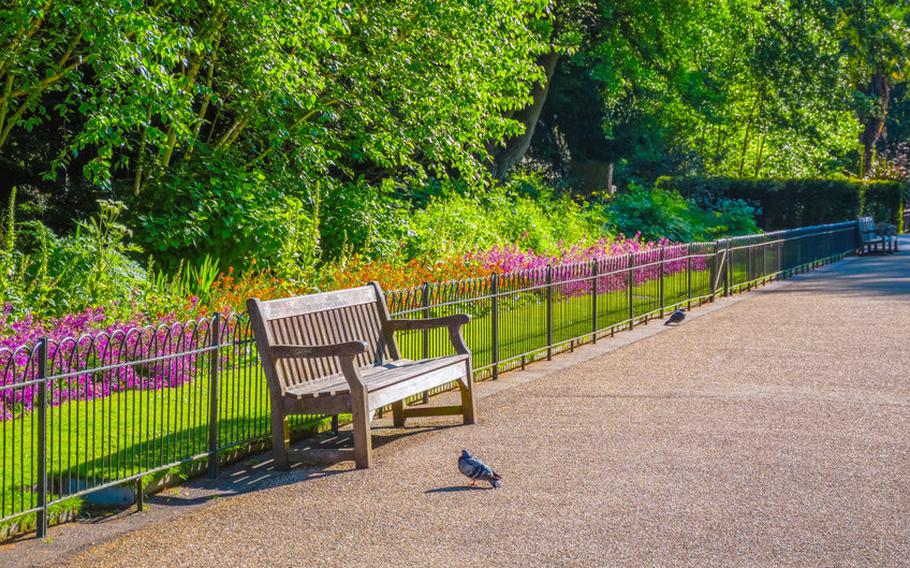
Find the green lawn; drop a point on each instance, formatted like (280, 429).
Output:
(129, 433)
(522, 324)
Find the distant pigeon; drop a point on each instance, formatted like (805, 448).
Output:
(676, 317)
(472, 467)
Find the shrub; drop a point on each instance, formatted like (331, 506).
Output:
(46, 275)
(214, 207)
(787, 203)
(884, 200)
(657, 213)
(524, 212)
(357, 218)
(452, 224)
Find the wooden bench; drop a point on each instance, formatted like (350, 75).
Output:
(870, 237)
(335, 353)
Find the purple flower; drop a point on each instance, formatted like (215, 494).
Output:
(90, 357)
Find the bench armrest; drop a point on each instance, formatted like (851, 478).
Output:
(346, 349)
(430, 323)
(453, 322)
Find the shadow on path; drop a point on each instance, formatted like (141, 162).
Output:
(253, 473)
(257, 472)
(457, 489)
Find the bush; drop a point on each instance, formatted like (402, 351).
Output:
(884, 200)
(450, 225)
(656, 213)
(789, 203)
(524, 212)
(357, 218)
(46, 275)
(214, 208)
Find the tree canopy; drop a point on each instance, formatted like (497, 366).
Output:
(221, 122)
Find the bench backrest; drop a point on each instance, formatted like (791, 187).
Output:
(867, 230)
(322, 319)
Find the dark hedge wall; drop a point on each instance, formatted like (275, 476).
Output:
(787, 203)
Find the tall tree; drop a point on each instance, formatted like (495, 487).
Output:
(875, 39)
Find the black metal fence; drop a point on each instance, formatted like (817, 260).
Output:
(85, 414)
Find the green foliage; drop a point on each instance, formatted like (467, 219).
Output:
(731, 217)
(217, 209)
(93, 267)
(885, 201)
(359, 218)
(188, 281)
(523, 211)
(730, 87)
(245, 106)
(657, 213)
(50, 275)
(787, 203)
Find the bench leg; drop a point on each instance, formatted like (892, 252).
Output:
(280, 440)
(467, 396)
(398, 414)
(360, 417)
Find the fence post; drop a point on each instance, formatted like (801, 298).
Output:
(215, 344)
(780, 260)
(549, 312)
(689, 279)
(728, 261)
(594, 271)
(630, 284)
(661, 283)
(751, 270)
(41, 521)
(714, 271)
(494, 295)
(425, 302)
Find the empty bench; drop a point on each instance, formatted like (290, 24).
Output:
(871, 237)
(335, 353)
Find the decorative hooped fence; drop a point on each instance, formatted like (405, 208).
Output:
(82, 415)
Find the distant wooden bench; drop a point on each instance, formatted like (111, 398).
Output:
(335, 353)
(871, 237)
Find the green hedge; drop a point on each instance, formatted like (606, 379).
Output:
(787, 203)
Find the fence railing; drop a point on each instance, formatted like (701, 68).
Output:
(86, 414)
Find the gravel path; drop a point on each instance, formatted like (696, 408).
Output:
(773, 432)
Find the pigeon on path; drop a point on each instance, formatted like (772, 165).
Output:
(472, 467)
(676, 317)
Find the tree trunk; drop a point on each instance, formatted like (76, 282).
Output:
(875, 121)
(515, 148)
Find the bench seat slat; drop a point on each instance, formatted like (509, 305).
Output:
(425, 381)
(375, 378)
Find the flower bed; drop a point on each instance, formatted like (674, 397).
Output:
(94, 358)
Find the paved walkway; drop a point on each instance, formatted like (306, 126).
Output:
(775, 431)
